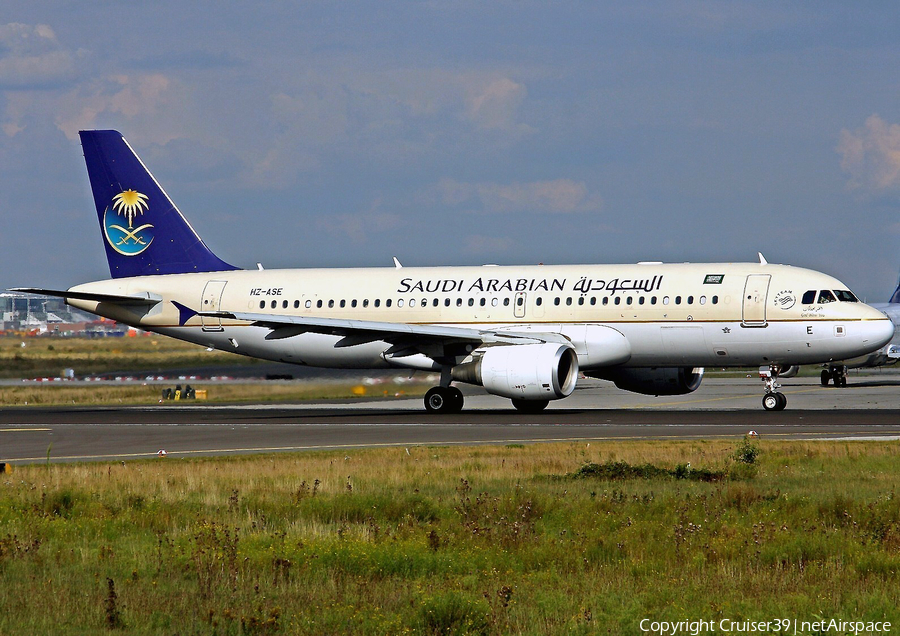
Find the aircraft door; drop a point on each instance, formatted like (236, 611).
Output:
(519, 305)
(756, 291)
(212, 301)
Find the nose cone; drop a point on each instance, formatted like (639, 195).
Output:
(878, 330)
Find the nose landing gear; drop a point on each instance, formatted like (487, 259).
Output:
(772, 400)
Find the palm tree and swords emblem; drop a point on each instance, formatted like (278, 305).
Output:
(130, 240)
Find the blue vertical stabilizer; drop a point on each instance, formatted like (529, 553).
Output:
(896, 297)
(143, 231)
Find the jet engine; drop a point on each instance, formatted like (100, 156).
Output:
(789, 371)
(653, 381)
(522, 372)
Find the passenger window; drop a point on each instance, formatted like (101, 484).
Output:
(826, 296)
(353, 303)
(495, 302)
(690, 300)
(539, 301)
(715, 300)
(482, 302)
(284, 304)
(274, 304)
(702, 300)
(435, 302)
(569, 301)
(641, 300)
(446, 302)
(618, 300)
(593, 300)
(519, 301)
(653, 300)
(677, 300)
(262, 304)
(387, 303)
(809, 297)
(605, 301)
(665, 300)
(296, 304)
(628, 300)
(581, 300)
(343, 304)
(365, 302)
(378, 302)
(471, 302)
(412, 302)
(399, 303)
(319, 304)
(308, 304)
(556, 301)
(459, 302)
(330, 304)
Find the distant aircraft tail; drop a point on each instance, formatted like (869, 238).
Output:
(143, 231)
(896, 297)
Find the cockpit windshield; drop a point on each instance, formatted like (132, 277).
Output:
(846, 296)
(827, 296)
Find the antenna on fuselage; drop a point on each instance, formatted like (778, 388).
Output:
(397, 263)
(762, 259)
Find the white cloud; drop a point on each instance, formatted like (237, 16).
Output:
(123, 96)
(358, 228)
(559, 196)
(871, 155)
(31, 56)
(478, 244)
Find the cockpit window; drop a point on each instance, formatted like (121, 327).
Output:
(845, 296)
(826, 296)
(809, 297)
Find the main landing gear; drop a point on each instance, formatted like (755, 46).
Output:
(772, 400)
(444, 399)
(836, 374)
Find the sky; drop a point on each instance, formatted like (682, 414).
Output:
(340, 134)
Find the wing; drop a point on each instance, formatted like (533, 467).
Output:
(407, 339)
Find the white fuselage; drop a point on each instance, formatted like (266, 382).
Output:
(672, 315)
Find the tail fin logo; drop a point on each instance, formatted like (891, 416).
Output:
(128, 241)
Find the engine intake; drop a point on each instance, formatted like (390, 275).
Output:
(527, 372)
(655, 380)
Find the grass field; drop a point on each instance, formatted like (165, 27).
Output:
(542, 539)
(47, 357)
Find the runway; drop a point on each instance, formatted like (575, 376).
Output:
(868, 409)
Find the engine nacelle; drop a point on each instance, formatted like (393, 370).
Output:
(524, 372)
(653, 381)
(789, 371)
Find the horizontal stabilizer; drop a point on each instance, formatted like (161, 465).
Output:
(120, 299)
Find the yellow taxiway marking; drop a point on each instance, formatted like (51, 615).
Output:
(23, 430)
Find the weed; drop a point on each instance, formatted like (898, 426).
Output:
(113, 617)
(747, 452)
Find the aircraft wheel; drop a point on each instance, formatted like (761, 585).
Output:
(782, 401)
(843, 380)
(443, 400)
(457, 400)
(530, 406)
(771, 402)
(825, 378)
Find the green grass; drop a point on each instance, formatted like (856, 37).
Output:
(432, 540)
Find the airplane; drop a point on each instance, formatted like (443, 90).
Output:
(523, 333)
(889, 354)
